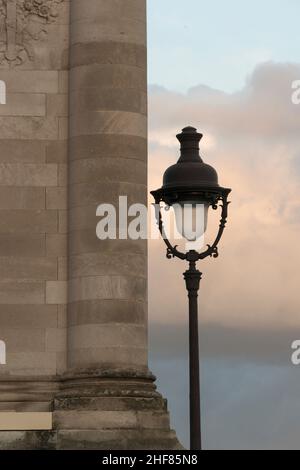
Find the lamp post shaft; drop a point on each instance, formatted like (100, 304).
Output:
(192, 278)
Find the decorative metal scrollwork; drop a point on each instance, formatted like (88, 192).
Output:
(212, 250)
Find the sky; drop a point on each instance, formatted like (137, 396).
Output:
(228, 71)
(218, 43)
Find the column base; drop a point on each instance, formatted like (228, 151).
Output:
(112, 409)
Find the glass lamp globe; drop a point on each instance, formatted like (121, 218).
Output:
(191, 219)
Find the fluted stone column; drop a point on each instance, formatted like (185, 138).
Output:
(108, 398)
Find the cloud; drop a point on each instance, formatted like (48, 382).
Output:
(249, 392)
(263, 108)
(250, 407)
(249, 299)
(252, 139)
(239, 345)
(244, 405)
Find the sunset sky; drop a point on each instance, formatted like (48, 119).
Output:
(228, 71)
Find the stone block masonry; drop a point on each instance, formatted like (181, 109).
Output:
(33, 189)
(73, 309)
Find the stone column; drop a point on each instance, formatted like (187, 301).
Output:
(108, 397)
(107, 159)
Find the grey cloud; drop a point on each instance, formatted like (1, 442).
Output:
(255, 346)
(254, 283)
(249, 298)
(263, 107)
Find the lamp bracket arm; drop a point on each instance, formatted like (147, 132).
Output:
(172, 251)
(212, 250)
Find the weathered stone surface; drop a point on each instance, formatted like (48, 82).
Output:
(81, 358)
(28, 440)
(55, 340)
(86, 241)
(22, 292)
(29, 390)
(123, 30)
(107, 287)
(62, 269)
(117, 169)
(62, 316)
(30, 81)
(38, 364)
(73, 308)
(63, 81)
(108, 146)
(56, 244)
(117, 439)
(63, 226)
(33, 149)
(28, 221)
(107, 335)
(29, 30)
(63, 128)
(27, 341)
(107, 264)
(113, 100)
(14, 244)
(107, 311)
(108, 122)
(92, 192)
(89, 440)
(20, 151)
(56, 292)
(115, 403)
(57, 104)
(107, 52)
(56, 198)
(62, 175)
(57, 152)
(28, 268)
(29, 127)
(96, 419)
(25, 407)
(108, 77)
(24, 104)
(28, 316)
(12, 197)
(15, 174)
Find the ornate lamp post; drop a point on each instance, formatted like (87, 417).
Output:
(188, 185)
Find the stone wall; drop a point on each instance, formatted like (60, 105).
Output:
(33, 186)
(73, 309)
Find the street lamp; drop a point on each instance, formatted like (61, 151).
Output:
(191, 187)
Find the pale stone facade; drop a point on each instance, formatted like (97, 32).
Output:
(73, 309)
